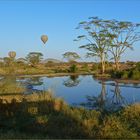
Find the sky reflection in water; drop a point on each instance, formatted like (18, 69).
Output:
(84, 90)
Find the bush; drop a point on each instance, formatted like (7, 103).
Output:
(116, 74)
(85, 67)
(125, 75)
(138, 66)
(73, 68)
(96, 67)
(132, 74)
(135, 74)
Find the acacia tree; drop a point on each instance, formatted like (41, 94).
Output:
(123, 35)
(97, 38)
(71, 56)
(34, 58)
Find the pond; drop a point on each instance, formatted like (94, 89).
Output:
(79, 90)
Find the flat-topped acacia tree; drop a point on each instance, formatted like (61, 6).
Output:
(34, 58)
(71, 56)
(123, 35)
(97, 39)
(106, 36)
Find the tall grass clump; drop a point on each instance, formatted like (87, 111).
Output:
(113, 127)
(131, 116)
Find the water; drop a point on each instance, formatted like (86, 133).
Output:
(84, 90)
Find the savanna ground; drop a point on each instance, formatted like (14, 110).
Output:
(129, 71)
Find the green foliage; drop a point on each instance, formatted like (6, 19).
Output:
(108, 36)
(73, 68)
(125, 34)
(138, 66)
(71, 56)
(34, 58)
(85, 67)
(135, 74)
(116, 74)
(97, 39)
(126, 74)
(96, 67)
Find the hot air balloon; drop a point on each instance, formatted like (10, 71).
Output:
(44, 38)
(12, 54)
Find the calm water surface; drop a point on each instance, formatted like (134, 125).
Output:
(85, 91)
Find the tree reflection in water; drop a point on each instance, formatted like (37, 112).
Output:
(117, 98)
(97, 102)
(72, 81)
(103, 102)
(31, 82)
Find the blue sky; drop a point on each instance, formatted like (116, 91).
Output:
(23, 22)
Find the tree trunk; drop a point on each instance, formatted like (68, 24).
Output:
(117, 64)
(102, 65)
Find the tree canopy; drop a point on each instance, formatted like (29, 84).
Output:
(34, 58)
(106, 37)
(71, 56)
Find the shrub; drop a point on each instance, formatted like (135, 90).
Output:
(135, 74)
(96, 67)
(138, 66)
(116, 74)
(132, 74)
(85, 67)
(73, 68)
(125, 75)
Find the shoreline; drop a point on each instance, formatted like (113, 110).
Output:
(98, 77)
(54, 74)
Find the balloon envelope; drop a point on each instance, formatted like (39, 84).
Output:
(44, 38)
(12, 54)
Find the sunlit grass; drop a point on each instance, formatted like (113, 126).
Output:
(10, 86)
(40, 115)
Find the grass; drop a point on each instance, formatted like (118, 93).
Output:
(127, 71)
(53, 68)
(43, 116)
(8, 85)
